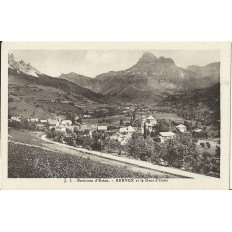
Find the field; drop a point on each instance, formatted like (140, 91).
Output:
(166, 116)
(115, 120)
(32, 162)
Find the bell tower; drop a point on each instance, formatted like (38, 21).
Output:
(143, 121)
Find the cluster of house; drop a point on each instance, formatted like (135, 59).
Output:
(126, 109)
(150, 122)
(41, 123)
(122, 135)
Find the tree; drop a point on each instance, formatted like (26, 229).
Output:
(162, 126)
(79, 120)
(208, 144)
(180, 152)
(144, 131)
(69, 116)
(111, 145)
(14, 124)
(88, 142)
(59, 135)
(217, 151)
(157, 152)
(98, 138)
(121, 122)
(50, 134)
(137, 146)
(202, 144)
(189, 125)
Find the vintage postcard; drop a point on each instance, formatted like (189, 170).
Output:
(133, 115)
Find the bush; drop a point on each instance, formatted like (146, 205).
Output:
(208, 144)
(14, 124)
(202, 144)
(112, 146)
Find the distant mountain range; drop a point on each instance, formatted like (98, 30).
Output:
(150, 79)
(29, 73)
(29, 90)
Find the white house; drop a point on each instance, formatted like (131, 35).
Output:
(66, 101)
(86, 116)
(164, 136)
(43, 121)
(102, 128)
(197, 130)
(86, 127)
(52, 122)
(66, 123)
(128, 129)
(182, 128)
(18, 119)
(62, 129)
(33, 120)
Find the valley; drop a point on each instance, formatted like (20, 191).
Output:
(141, 113)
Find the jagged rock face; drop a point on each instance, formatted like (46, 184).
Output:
(152, 78)
(21, 66)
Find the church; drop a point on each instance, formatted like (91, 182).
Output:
(148, 123)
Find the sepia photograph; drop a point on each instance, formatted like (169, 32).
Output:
(116, 114)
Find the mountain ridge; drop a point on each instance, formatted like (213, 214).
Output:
(23, 67)
(150, 79)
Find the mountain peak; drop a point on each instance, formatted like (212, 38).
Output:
(11, 57)
(149, 57)
(22, 62)
(22, 67)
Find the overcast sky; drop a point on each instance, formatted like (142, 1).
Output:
(92, 63)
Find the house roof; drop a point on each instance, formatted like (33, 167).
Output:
(130, 129)
(102, 127)
(150, 117)
(66, 121)
(40, 125)
(167, 134)
(127, 129)
(86, 127)
(197, 130)
(181, 125)
(52, 121)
